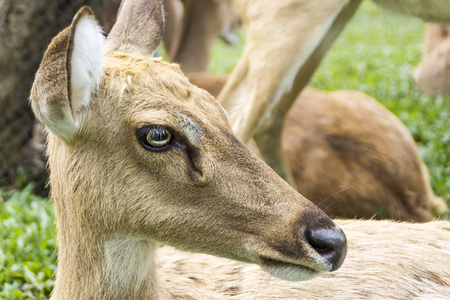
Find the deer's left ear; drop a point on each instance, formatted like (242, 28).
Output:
(69, 74)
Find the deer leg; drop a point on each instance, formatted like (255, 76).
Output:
(268, 98)
(274, 55)
(203, 21)
(270, 146)
(269, 135)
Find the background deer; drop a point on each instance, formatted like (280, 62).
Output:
(433, 72)
(373, 173)
(304, 31)
(351, 156)
(139, 156)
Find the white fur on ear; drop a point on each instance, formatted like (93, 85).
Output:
(86, 62)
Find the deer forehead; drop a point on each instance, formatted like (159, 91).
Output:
(150, 91)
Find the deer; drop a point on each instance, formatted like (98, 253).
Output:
(138, 156)
(350, 156)
(432, 73)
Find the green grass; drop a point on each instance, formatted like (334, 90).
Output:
(27, 239)
(375, 54)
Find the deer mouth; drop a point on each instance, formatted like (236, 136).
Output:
(287, 271)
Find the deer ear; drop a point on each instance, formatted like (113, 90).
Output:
(69, 74)
(138, 29)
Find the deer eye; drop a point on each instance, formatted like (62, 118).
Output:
(154, 137)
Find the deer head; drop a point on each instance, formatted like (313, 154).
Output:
(139, 156)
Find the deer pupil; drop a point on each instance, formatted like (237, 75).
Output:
(158, 137)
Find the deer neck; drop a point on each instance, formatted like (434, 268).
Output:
(94, 262)
(94, 266)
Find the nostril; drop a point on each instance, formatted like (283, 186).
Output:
(331, 244)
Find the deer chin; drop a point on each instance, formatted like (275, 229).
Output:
(288, 271)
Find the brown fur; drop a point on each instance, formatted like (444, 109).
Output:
(354, 158)
(351, 156)
(212, 83)
(432, 75)
(115, 199)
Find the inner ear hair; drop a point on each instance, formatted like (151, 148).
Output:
(84, 59)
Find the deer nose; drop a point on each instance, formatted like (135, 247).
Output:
(330, 243)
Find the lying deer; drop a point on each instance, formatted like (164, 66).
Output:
(433, 73)
(139, 156)
(303, 31)
(351, 156)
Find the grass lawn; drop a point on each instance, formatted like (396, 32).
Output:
(375, 54)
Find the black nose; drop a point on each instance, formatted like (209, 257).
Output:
(331, 244)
